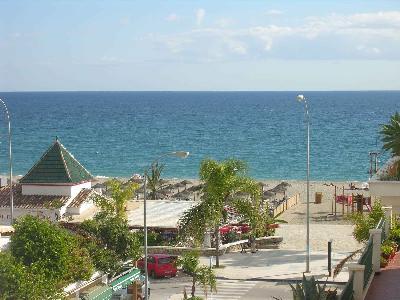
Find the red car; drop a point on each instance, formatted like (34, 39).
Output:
(159, 265)
(243, 228)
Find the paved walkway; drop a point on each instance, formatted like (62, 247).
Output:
(386, 284)
(294, 237)
(275, 265)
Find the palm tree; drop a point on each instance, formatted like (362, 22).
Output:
(222, 181)
(391, 135)
(201, 275)
(154, 179)
(119, 195)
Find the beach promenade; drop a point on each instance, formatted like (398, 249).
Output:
(276, 267)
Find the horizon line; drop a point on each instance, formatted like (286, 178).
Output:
(196, 91)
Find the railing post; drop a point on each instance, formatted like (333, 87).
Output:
(358, 280)
(388, 218)
(376, 235)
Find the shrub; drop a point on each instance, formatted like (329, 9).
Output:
(310, 289)
(386, 251)
(364, 222)
(384, 262)
(230, 237)
(394, 235)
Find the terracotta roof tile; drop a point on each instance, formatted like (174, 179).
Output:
(84, 195)
(30, 201)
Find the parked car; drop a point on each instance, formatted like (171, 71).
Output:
(160, 265)
(242, 228)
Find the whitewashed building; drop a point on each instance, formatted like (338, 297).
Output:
(57, 186)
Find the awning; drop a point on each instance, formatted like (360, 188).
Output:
(125, 280)
(101, 293)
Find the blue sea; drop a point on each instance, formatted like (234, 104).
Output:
(120, 133)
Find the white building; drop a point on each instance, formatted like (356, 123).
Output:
(385, 184)
(57, 186)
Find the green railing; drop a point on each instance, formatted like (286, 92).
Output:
(366, 260)
(347, 293)
(381, 225)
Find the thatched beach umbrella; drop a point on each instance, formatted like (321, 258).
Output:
(179, 185)
(268, 195)
(280, 188)
(186, 182)
(163, 181)
(182, 195)
(261, 185)
(196, 188)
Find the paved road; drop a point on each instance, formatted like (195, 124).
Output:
(172, 289)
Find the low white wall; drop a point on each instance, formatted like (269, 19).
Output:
(5, 215)
(4, 243)
(79, 210)
(388, 192)
(55, 190)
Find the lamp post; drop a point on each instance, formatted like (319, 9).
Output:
(10, 160)
(301, 98)
(180, 154)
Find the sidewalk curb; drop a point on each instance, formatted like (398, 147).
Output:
(277, 280)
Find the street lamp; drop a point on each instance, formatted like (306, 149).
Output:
(301, 98)
(10, 160)
(180, 154)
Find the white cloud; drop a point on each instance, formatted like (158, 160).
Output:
(172, 17)
(274, 12)
(366, 35)
(200, 14)
(368, 50)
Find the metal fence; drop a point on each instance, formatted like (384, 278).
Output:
(347, 293)
(366, 260)
(381, 225)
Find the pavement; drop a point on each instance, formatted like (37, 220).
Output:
(276, 265)
(386, 284)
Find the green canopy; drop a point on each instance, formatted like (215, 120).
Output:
(125, 280)
(101, 293)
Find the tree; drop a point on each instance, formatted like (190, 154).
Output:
(364, 222)
(222, 181)
(54, 251)
(23, 282)
(391, 135)
(201, 275)
(107, 237)
(114, 234)
(154, 179)
(120, 194)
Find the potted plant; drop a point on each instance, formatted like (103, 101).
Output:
(386, 251)
(384, 262)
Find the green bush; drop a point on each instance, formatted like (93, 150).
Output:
(386, 250)
(364, 222)
(230, 237)
(394, 235)
(310, 289)
(384, 262)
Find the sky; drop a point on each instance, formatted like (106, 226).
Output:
(199, 45)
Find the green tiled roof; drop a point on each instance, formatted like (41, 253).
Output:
(57, 165)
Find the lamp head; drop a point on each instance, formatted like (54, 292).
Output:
(300, 98)
(181, 154)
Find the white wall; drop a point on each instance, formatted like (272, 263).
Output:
(4, 243)
(388, 192)
(54, 190)
(78, 210)
(5, 216)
